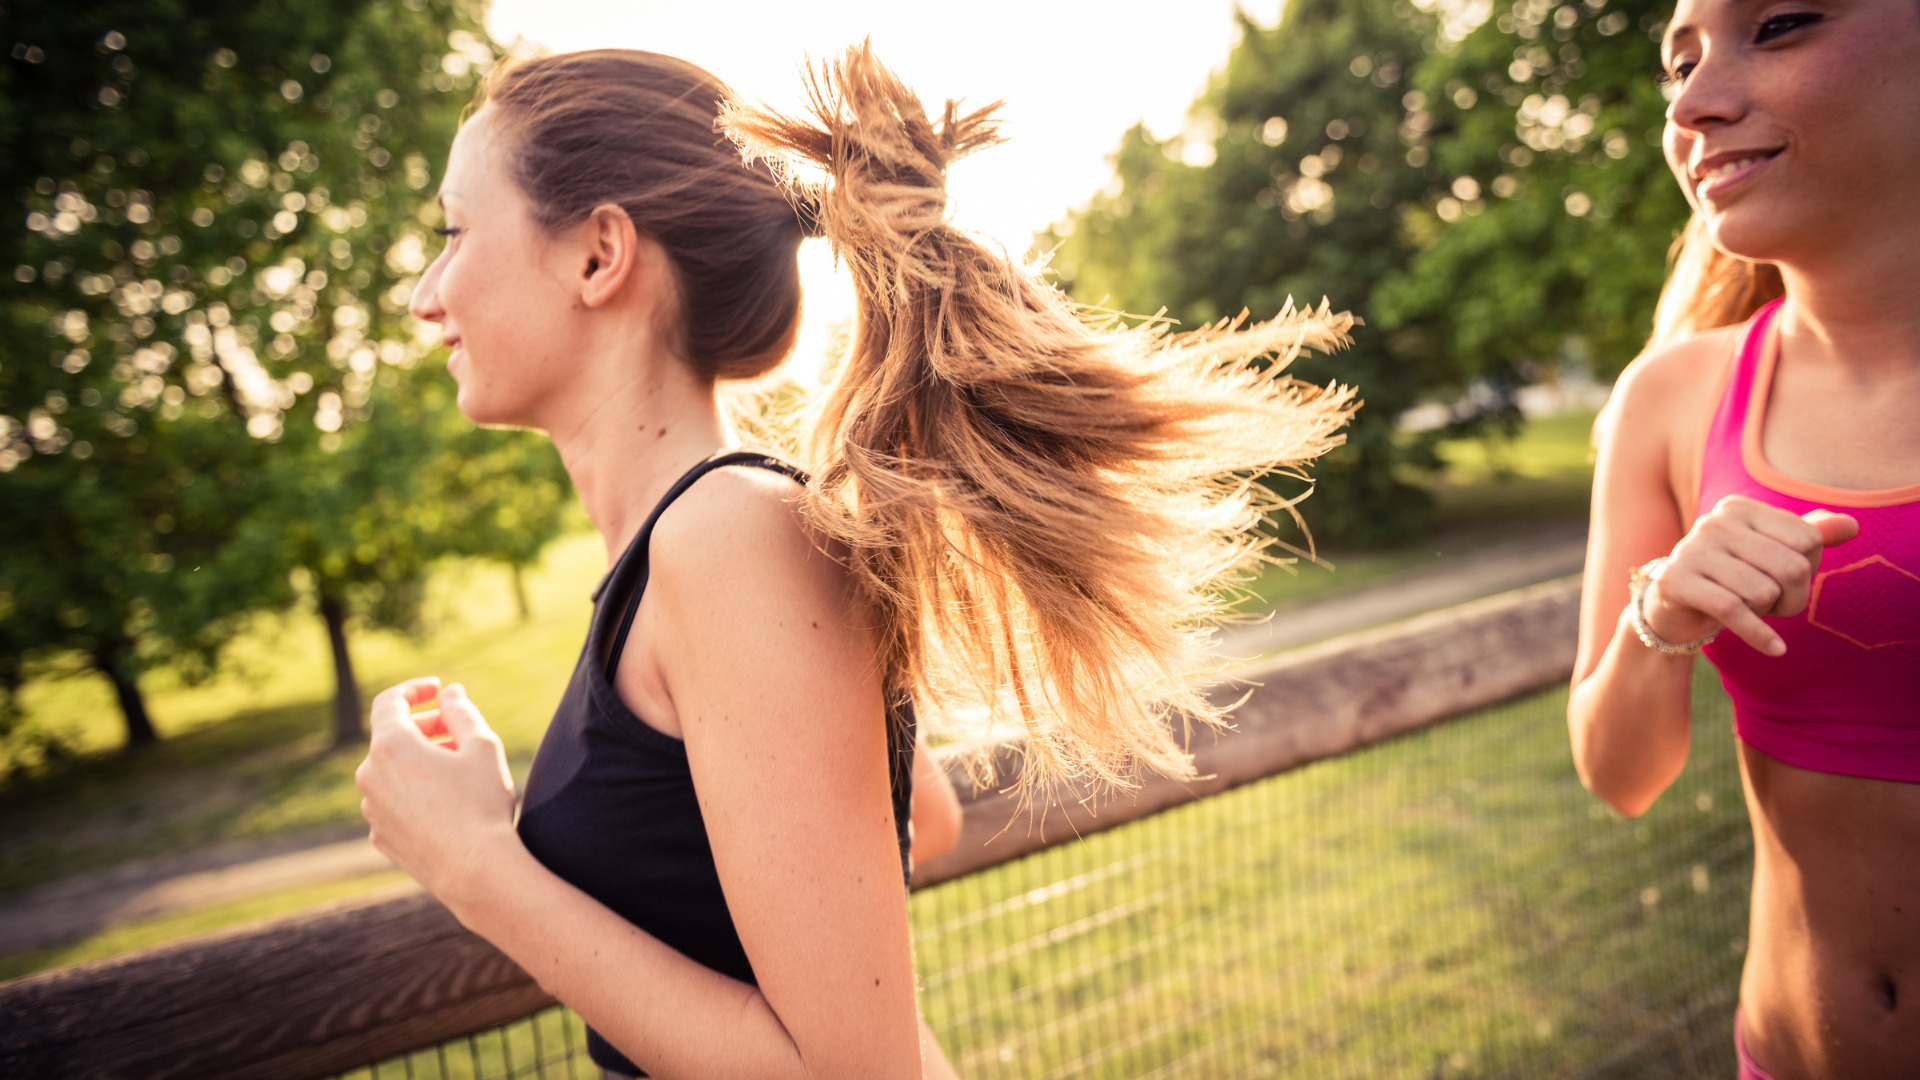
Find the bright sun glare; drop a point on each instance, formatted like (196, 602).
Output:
(1074, 78)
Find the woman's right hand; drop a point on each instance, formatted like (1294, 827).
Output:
(1742, 560)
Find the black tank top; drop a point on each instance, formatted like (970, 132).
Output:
(609, 804)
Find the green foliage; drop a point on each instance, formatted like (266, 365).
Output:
(207, 374)
(1291, 182)
(1484, 197)
(1545, 122)
(246, 758)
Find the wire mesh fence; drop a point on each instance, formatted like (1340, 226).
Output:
(1450, 904)
(549, 1045)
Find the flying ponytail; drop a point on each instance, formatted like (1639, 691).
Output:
(1039, 506)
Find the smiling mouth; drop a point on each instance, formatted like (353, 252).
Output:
(1712, 179)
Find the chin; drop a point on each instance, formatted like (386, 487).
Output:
(1759, 233)
(492, 414)
(476, 409)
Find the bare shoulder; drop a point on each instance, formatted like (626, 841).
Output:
(738, 523)
(752, 619)
(1665, 388)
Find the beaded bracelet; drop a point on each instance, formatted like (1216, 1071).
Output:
(1637, 614)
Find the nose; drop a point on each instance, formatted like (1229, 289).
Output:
(1710, 97)
(426, 305)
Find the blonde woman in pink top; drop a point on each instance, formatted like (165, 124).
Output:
(1758, 496)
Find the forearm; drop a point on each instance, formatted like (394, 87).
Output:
(1630, 721)
(673, 1016)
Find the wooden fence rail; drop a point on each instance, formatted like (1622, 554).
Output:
(356, 982)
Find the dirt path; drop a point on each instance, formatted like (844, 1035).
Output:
(148, 888)
(1510, 564)
(90, 903)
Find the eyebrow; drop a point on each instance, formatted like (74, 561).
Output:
(1673, 32)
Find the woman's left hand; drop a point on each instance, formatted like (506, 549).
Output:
(435, 786)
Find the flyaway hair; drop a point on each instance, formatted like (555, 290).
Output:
(1040, 506)
(1707, 288)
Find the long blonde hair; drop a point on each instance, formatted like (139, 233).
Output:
(1039, 505)
(1708, 288)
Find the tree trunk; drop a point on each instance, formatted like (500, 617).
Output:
(520, 594)
(346, 694)
(111, 659)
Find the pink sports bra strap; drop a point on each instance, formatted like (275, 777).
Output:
(1723, 451)
(1846, 696)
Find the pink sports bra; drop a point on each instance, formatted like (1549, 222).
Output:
(1846, 696)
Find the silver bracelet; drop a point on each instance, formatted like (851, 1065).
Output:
(1637, 615)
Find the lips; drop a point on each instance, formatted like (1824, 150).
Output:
(1717, 174)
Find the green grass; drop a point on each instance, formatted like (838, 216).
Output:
(1449, 904)
(1491, 491)
(245, 757)
(158, 931)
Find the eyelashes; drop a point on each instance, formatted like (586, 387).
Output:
(1775, 25)
(449, 233)
(1770, 28)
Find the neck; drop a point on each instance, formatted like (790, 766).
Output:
(628, 435)
(1858, 312)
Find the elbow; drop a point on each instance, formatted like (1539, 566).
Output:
(1628, 782)
(1624, 800)
(935, 834)
(1629, 786)
(937, 820)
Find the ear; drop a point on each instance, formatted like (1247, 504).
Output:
(611, 246)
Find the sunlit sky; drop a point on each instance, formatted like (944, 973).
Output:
(1074, 76)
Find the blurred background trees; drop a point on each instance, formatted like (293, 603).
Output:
(211, 400)
(1548, 246)
(1474, 180)
(212, 403)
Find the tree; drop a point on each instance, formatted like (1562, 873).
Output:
(406, 487)
(207, 376)
(510, 491)
(1479, 183)
(1548, 246)
(1295, 178)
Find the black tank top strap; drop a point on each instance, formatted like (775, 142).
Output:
(627, 581)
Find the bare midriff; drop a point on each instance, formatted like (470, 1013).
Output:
(1832, 981)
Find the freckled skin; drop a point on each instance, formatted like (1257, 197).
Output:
(571, 331)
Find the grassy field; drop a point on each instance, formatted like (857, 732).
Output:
(145, 933)
(245, 758)
(1450, 904)
(1490, 492)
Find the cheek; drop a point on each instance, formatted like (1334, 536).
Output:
(480, 303)
(1822, 99)
(1678, 146)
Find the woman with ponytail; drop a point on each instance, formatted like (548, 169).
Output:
(1001, 508)
(1757, 498)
